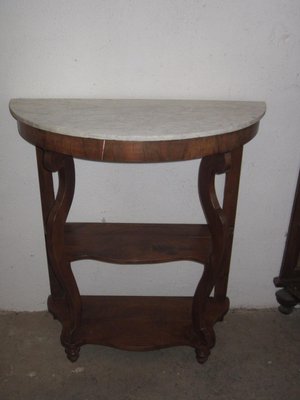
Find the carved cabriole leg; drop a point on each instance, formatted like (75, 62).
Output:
(221, 222)
(55, 211)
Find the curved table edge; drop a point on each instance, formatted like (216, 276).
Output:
(137, 151)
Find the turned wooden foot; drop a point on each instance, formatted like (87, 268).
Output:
(72, 352)
(286, 300)
(202, 354)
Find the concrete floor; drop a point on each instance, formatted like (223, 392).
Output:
(257, 356)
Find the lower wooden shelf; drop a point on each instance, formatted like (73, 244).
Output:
(137, 322)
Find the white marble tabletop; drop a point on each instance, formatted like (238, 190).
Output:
(137, 120)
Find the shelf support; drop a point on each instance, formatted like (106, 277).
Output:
(220, 221)
(55, 212)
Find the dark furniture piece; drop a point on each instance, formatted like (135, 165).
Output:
(289, 277)
(138, 131)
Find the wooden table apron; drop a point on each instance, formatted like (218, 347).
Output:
(135, 322)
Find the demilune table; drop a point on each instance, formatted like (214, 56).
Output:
(138, 131)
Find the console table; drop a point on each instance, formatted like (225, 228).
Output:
(138, 131)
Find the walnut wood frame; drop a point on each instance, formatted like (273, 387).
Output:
(135, 322)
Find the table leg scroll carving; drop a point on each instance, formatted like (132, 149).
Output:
(47, 201)
(219, 222)
(231, 188)
(65, 295)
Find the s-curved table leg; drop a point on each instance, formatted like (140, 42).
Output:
(220, 221)
(64, 290)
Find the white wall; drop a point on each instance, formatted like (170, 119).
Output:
(233, 49)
